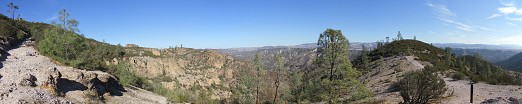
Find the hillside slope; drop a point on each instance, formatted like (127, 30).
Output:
(28, 77)
(197, 74)
(389, 63)
(514, 63)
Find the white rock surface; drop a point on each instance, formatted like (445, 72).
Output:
(28, 77)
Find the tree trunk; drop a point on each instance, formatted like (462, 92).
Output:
(276, 88)
(257, 94)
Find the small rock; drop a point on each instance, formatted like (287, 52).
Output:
(515, 100)
(27, 80)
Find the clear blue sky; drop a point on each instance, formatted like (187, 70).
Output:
(248, 23)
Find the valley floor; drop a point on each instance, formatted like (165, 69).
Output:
(28, 77)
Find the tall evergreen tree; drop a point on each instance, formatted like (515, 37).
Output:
(280, 71)
(448, 56)
(260, 72)
(399, 36)
(333, 75)
(365, 60)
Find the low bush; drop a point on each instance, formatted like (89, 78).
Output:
(420, 87)
(458, 75)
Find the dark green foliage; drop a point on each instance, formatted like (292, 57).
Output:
(332, 76)
(420, 87)
(447, 56)
(13, 30)
(61, 43)
(72, 49)
(424, 51)
(480, 70)
(125, 75)
(362, 62)
(296, 87)
(458, 76)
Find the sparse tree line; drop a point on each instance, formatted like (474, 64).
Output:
(331, 79)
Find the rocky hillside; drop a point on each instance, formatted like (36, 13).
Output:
(513, 63)
(28, 77)
(389, 63)
(196, 71)
(295, 58)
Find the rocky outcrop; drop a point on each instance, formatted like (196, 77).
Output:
(186, 68)
(28, 77)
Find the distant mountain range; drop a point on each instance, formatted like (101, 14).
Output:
(489, 52)
(358, 46)
(479, 46)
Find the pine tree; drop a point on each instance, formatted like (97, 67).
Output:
(333, 75)
(399, 36)
(12, 9)
(448, 56)
(260, 72)
(280, 71)
(364, 58)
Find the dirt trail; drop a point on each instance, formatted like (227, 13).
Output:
(387, 71)
(481, 92)
(28, 77)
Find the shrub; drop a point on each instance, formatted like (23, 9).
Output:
(126, 76)
(458, 75)
(420, 87)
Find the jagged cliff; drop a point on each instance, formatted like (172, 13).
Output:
(185, 68)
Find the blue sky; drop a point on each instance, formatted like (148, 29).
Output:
(249, 23)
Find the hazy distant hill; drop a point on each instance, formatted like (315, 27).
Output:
(296, 56)
(514, 63)
(491, 55)
(478, 46)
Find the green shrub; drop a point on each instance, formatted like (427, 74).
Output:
(125, 75)
(420, 87)
(481, 70)
(458, 75)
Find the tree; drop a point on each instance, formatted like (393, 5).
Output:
(364, 58)
(387, 40)
(380, 43)
(399, 36)
(68, 24)
(12, 9)
(296, 86)
(420, 87)
(279, 71)
(260, 71)
(73, 25)
(332, 75)
(448, 56)
(63, 18)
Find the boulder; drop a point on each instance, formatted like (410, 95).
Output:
(27, 80)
